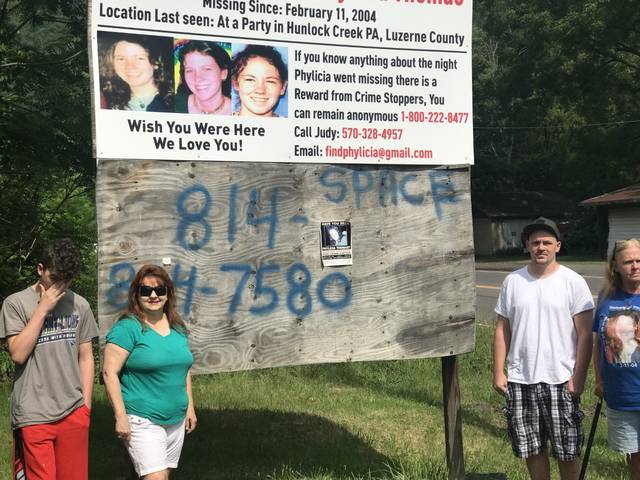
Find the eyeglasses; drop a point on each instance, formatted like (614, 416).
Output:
(620, 245)
(145, 290)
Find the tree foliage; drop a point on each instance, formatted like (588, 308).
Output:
(46, 169)
(556, 95)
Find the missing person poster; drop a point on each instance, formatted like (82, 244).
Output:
(322, 81)
(335, 244)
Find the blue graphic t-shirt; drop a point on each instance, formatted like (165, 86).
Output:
(617, 323)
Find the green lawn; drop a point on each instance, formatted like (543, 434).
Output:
(380, 420)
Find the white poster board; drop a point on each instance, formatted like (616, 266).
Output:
(370, 82)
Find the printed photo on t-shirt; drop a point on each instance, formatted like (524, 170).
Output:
(622, 337)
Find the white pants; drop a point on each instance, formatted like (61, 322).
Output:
(154, 447)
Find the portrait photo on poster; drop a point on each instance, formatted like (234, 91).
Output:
(336, 247)
(202, 76)
(259, 77)
(622, 337)
(136, 72)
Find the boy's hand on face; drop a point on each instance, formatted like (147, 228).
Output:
(50, 297)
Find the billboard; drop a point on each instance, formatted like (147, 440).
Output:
(341, 81)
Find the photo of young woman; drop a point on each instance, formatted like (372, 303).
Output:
(205, 80)
(259, 77)
(135, 72)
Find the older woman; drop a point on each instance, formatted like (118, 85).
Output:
(205, 85)
(259, 78)
(133, 75)
(615, 358)
(147, 376)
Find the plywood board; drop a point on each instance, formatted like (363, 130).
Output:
(244, 245)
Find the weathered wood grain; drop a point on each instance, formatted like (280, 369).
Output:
(452, 418)
(411, 281)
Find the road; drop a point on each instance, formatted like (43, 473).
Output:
(488, 282)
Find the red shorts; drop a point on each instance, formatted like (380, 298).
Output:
(57, 450)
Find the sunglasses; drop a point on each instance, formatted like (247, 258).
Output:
(145, 290)
(620, 245)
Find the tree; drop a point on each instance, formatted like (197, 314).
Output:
(556, 99)
(46, 169)
(556, 95)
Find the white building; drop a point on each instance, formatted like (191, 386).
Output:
(623, 208)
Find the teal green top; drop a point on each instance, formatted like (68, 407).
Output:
(154, 377)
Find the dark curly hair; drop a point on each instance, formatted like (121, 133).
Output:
(215, 51)
(62, 259)
(135, 309)
(270, 54)
(116, 91)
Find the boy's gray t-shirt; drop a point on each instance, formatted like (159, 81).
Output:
(47, 386)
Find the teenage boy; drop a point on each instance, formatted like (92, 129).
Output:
(543, 329)
(49, 330)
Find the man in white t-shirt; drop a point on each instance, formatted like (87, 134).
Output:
(543, 330)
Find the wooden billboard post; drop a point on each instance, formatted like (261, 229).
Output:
(452, 418)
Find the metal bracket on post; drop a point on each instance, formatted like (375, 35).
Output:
(452, 418)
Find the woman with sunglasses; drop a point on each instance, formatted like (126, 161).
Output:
(147, 377)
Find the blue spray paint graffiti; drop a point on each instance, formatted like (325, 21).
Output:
(233, 205)
(190, 286)
(442, 190)
(299, 280)
(358, 187)
(388, 187)
(391, 186)
(189, 218)
(339, 304)
(120, 277)
(299, 301)
(271, 220)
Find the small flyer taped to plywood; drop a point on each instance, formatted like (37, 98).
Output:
(335, 244)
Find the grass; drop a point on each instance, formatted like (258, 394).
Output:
(368, 421)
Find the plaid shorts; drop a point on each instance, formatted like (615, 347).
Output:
(540, 412)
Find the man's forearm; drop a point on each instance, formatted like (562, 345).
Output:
(583, 348)
(583, 356)
(87, 371)
(595, 355)
(499, 354)
(22, 345)
(501, 342)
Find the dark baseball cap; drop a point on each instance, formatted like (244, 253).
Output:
(541, 223)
